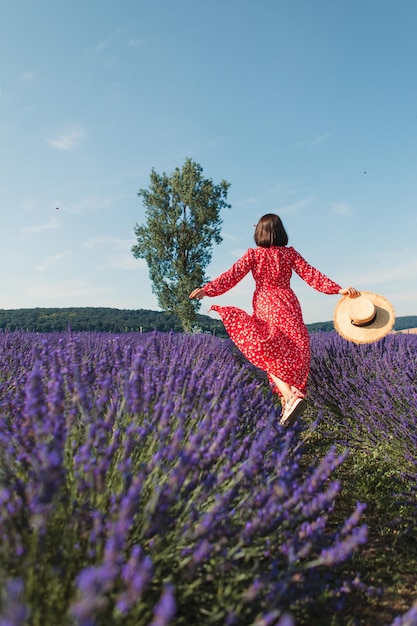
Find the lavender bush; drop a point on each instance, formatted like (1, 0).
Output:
(369, 389)
(145, 481)
(366, 397)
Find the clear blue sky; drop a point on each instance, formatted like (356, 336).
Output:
(291, 101)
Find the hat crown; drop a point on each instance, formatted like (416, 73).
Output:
(361, 311)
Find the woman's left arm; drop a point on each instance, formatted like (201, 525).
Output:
(227, 280)
(198, 294)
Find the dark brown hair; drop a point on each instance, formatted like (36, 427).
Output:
(270, 231)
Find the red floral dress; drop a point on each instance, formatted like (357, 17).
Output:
(274, 337)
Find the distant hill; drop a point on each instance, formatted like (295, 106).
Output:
(401, 323)
(101, 319)
(405, 322)
(105, 319)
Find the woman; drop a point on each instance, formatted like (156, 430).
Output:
(275, 337)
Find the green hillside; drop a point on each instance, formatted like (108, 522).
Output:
(101, 319)
(104, 319)
(401, 323)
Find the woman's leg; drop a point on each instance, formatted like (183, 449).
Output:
(293, 405)
(283, 388)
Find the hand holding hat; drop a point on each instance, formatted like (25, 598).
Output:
(363, 317)
(351, 292)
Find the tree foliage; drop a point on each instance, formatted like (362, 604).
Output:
(182, 223)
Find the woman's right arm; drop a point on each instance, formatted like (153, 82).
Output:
(350, 291)
(320, 281)
(312, 276)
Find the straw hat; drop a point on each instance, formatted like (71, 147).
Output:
(364, 319)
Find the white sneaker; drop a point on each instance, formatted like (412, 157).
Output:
(292, 411)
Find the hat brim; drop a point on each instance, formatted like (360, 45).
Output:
(381, 326)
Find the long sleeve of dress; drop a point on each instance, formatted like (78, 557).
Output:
(313, 277)
(231, 277)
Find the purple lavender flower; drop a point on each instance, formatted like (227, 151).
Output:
(159, 457)
(14, 610)
(136, 575)
(94, 584)
(408, 619)
(273, 619)
(166, 608)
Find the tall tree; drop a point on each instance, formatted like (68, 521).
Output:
(176, 240)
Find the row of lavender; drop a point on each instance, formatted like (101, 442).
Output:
(367, 394)
(365, 398)
(145, 481)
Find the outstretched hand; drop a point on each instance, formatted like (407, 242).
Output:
(198, 293)
(350, 291)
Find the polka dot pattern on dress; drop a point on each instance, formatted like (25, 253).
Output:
(274, 337)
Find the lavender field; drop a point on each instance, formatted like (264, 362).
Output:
(145, 481)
